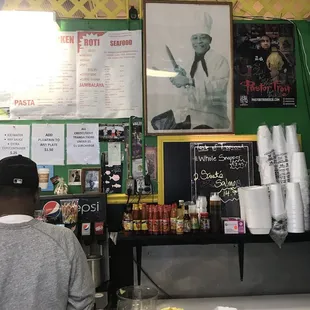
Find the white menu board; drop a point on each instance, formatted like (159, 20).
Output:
(14, 140)
(50, 91)
(109, 74)
(83, 144)
(48, 144)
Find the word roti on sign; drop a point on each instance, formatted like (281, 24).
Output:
(96, 42)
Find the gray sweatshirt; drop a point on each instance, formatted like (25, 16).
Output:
(43, 267)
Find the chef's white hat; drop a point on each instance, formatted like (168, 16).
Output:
(203, 23)
(206, 21)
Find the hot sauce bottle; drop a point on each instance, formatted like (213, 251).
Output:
(155, 220)
(187, 221)
(136, 218)
(166, 226)
(127, 220)
(150, 219)
(173, 218)
(180, 221)
(160, 214)
(144, 227)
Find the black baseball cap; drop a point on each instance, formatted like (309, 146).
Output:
(19, 171)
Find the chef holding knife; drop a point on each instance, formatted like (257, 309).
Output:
(204, 82)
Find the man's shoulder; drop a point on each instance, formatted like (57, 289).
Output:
(62, 236)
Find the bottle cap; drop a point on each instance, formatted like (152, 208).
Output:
(215, 197)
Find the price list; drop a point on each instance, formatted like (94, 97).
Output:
(14, 140)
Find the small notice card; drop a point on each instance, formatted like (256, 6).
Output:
(48, 144)
(83, 144)
(14, 140)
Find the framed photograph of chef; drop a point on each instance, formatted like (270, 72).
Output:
(188, 70)
(91, 180)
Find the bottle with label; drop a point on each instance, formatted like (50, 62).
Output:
(150, 219)
(187, 221)
(160, 218)
(166, 221)
(173, 218)
(136, 219)
(180, 221)
(144, 226)
(204, 222)
(155, 229)
(215, 213)
(127, 220)
(182, 205)
(194, 218)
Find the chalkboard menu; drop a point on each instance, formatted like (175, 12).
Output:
(221, 167)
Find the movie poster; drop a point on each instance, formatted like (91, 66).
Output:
(264, 66)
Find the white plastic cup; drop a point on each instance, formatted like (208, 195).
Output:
(298, 165)
(44, 174)
(276, 200)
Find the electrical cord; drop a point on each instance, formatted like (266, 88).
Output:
(152, 281)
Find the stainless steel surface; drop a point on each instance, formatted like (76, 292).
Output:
(213, 270)
(94, 263)
(279, 302)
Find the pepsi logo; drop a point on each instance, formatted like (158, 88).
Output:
(86, 227)
(51, 209)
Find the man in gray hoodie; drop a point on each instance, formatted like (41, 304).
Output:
(42, 266)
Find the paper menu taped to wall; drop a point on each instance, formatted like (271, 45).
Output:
(49, 90)
(83, 144)
(48, 144)
(109, 78)
(14, 140)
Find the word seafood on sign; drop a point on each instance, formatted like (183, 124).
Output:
(222, 167)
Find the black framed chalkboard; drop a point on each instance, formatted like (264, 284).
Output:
(222, 167)
(177, 170)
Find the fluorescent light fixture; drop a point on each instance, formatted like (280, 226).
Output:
(160, 73)
(26, 19)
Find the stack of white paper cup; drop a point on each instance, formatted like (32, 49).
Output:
(266, 155)
(294, 208)
(255, 200)
(241, 203)
(299, 174)
(276, 200)
(281, 162)
(292, 144)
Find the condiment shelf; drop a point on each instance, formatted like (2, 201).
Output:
(139, 240)
(202, 238)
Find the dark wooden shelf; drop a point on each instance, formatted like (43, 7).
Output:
(202, 238)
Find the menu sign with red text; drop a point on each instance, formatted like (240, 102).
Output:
(50, 93)
(109, 78)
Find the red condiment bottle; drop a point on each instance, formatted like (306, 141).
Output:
(173, 218)
(155, 220)
(150, 219)
(166, 221)
(144, 226)
(160, 214)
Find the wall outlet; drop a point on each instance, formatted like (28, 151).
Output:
(130, 186)
(142, 188)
